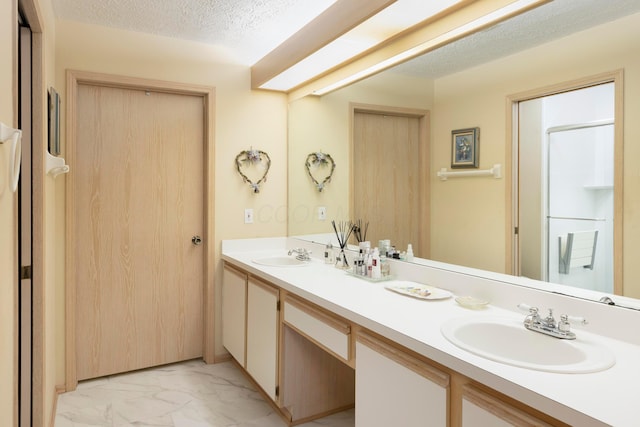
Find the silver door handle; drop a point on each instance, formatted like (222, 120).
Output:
(196, 240)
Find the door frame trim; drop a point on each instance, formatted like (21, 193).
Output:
(512, 255)
(424, 117)
(74, 79)
(39, 282)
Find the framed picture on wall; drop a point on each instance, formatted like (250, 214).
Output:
(54, 122)
(464, 148)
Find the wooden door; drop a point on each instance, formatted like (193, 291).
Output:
(387, 180)
(139, 164)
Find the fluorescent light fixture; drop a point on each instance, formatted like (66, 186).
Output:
(385, 24)
(429, 45)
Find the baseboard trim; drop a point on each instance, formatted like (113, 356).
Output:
(219, 358)
(59, 389)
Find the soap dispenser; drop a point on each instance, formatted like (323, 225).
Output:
(409, 253)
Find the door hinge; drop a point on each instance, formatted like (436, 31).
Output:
(515, 231)
(278, 306)
(25, 272)
(277, 390)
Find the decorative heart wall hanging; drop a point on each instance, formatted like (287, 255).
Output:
(316, 161)
(251, 157)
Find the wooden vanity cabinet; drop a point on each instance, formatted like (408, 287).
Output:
(394, 387)
(310, 362)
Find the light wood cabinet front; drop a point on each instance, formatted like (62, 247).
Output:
(394, 388)
(234, 300)
(262, 335)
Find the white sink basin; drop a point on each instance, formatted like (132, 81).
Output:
(507, 341)
(280, 261)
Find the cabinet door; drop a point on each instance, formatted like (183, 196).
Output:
(394, 388)
(480, 409)
(262, 335)
(234, 300)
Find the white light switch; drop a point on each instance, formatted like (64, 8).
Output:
(322, 213)
(248, 216)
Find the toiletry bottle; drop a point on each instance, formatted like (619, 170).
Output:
(385, 267)
(363, 264)
(382, 247)
(329, 257)
(369, 264)
(393, 254)
(376, 272)
(409, 253)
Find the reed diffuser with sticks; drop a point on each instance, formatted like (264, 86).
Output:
(343, 230)
(360, 229)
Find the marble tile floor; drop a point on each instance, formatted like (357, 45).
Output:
(188, 394)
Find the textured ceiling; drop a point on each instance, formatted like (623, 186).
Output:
(553, 20)
(251, 28)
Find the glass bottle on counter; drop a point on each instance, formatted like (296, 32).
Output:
(385, 266)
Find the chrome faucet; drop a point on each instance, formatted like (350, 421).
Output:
(303, 254)
(606, 300)
(548, 325)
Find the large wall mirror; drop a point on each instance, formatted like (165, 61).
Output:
(470, 83)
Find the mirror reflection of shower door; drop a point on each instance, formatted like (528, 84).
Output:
(580, 198)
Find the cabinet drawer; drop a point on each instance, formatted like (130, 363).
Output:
(325, 330)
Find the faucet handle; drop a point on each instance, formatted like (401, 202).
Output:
(533, 318)
(563, 324)
(576, 320)
(550, 321)
(529, 309)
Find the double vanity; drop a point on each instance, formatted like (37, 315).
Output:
(317, 340)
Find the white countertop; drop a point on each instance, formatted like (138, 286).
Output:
(609, 397)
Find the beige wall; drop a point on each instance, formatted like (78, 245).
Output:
(323, 124)
(468, 214)
(243, 119)
(8, 223)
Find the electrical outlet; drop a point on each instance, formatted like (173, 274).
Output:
(248, 216)
(322, 213)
